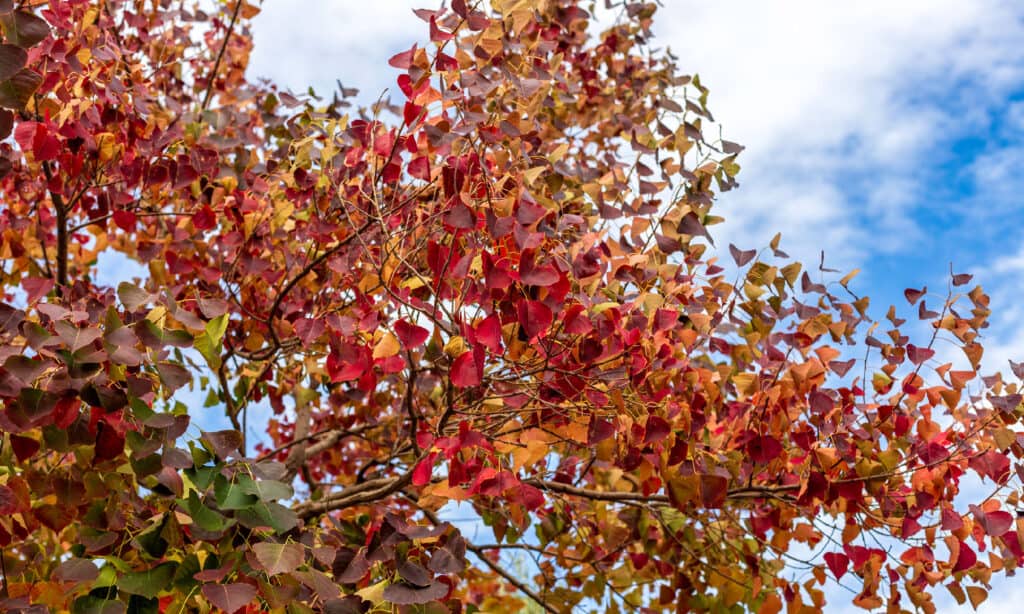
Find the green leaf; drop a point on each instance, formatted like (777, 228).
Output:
(216, 328)
(204, 517)
(267, 490)
(273, 515)
(209, 341)
(232, 495)
(147, 583)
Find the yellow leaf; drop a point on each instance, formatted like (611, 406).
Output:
(374, 593)
(455, 347)
(845, 280)
(387, 347)
(976, 594)
(413, 283)
(531, 174)
(106, 146)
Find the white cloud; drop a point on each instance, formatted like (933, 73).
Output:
(855, 96)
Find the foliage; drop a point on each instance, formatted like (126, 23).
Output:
(496, 291)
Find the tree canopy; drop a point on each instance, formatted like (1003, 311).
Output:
(493, 294)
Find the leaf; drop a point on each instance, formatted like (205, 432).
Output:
(656, 429)
(148, 583)
(406, 594)
(208, 342)
(488, 333)
(410, 335)
(77, 570)
(8, 501)
(131, 296)
(995, 523)
(229, 597)
(267, 490)
(12, 59)
(233, 496)
(465, 372)
(24, 29)
(350, 604)
(966, 558)
(741, 257)
(414, 573)
(691, 225)
(387, 347)
(913, 295)
(223, 443)
(279, 558)
(421, 473)
(837, 563)
(962, 279)
(918, 355)
(535, 317)
(17, 91)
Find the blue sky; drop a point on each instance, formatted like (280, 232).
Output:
(888, 133)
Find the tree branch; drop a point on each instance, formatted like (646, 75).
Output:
(744, 492)
(220, 55)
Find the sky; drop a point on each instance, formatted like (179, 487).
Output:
(888, 134)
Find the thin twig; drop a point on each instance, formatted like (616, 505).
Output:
(220, 54)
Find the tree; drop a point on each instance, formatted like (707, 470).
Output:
(496, 290)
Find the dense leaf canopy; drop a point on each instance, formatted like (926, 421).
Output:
(493, 295)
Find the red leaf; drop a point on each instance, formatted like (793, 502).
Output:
(229, 597)
(837, 563)
(918, 355)
(410, 335)
(403, 60)
(656, 429)
(665, 319)
(437, 35)
(842, 368)
(125, 220)
(36, 288)
(421, 473)
(109, 443)
(66, 411)
(25, 447)
(8, 501)
(535, 318)
(488, 333)
(962, 278)
(913, 295)
(410, 113)
(204, 219)
(25, 134)
(533, 275)
(419, 168)
(992, 465)
(951, 520)
(349, 364)
(599, 430)
(995, 523)
(526, 495)
(465, 372)
(965, 558)
(713, 490)
(741, 257)
(764, 449)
